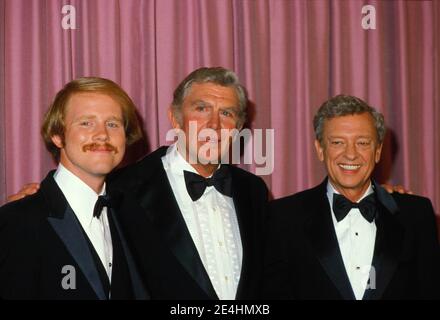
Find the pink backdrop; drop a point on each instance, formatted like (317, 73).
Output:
(291, 55)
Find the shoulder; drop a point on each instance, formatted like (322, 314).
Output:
(22, 215)
(298, 199)
(249, 178)
(23, 206)
(139, 170)
(415, 208)
(294, 210)
(411, 201)
(37, 206)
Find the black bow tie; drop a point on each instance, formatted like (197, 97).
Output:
(103, 201)
(342, 206)
(196, 184)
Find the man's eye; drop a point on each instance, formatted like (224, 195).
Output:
(226, 113)
(113, 124)
(85, 123)
(201, 108)
(336, 143)
(364, 143)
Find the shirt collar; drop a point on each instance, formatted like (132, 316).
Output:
(79, 195)
(331, 189)
(176, 163)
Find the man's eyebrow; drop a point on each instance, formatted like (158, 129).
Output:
(115, 118)
(232, 108)
(206, 103)
(200, 102)
(85, 117)
(343, 137)
(89, 117)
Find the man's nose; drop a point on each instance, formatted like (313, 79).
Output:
(214, 120)
(350, 151)
(101, 133)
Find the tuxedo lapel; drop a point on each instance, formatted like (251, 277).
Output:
(64, 222)
(322, 236)
(140, 292)
(157, 199)
(388, 246)
(242, 203)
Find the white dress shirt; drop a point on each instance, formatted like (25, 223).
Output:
(356, 237)
(82, 199)
(212, 223)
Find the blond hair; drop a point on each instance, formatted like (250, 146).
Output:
(53, 123)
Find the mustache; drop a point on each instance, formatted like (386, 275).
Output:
(100, 146)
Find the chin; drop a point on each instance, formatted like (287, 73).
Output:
(208, 161)
(103, 170)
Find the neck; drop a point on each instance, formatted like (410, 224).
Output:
(352, 194)
(95, 182)
(205, 170)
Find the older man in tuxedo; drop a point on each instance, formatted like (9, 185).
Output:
(195, 223)
(347, 238)
(65, 241)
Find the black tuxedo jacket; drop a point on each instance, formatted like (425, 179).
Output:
(45, 253)
(303, 259)
(161, 243)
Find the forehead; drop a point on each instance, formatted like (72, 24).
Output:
(350, 125)
(92, 104)
(211, 92)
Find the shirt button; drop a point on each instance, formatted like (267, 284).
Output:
(110, 264)
(357, 233)
(357, 268)
(226, 278)
(220, 243)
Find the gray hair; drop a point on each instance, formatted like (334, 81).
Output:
(342, 105)
(216, 75)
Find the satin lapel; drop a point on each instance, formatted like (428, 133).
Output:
(321, 233)
(157, 199)
(388, 246)
(140, 292)
(64, 222)
(243, 205)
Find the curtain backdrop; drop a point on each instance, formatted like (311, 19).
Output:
(291, 56)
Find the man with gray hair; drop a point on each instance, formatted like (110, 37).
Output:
(196, 225)
(348, 238)
(194, 222)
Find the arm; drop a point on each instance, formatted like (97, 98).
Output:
(428, 255)
(17, 255)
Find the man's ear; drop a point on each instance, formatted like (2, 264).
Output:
(173, 120)
(58, 141)
(319, 150)
(378, 153)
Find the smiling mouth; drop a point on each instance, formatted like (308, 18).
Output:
(349, 167)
